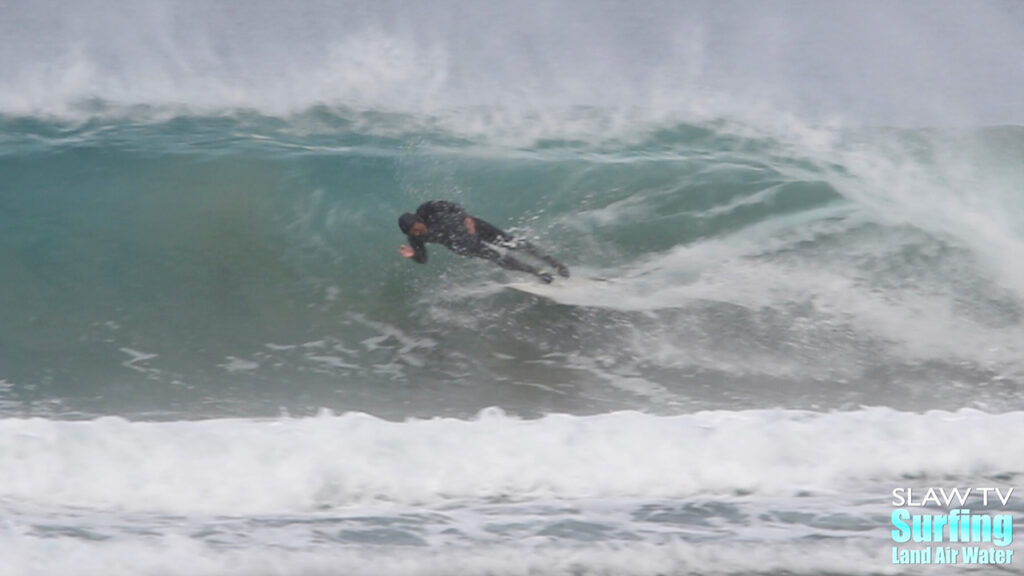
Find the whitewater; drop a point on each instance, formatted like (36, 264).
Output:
(807, 221)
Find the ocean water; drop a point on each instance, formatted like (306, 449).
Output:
(808, 220)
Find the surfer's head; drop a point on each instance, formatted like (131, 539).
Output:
(411, 224)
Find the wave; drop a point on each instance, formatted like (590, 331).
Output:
(217, 265)
(807, 219)
(710, 492)
(181, 556)
(253, 467)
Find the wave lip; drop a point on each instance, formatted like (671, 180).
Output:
(678, 57)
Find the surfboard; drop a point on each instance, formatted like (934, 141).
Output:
(558, 289)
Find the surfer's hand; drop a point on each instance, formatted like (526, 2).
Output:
(406, 251)
(470, 225)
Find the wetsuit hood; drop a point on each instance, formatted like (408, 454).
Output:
(405, 222)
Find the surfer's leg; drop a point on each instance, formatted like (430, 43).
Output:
(532, 250)
(491, 234)
(509, 263)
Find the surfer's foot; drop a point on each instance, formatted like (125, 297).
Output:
(563, 270)
(545, 277)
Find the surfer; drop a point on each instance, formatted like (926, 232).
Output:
(446, 223)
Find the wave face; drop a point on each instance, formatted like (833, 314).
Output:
(244, 264)
(806, 221)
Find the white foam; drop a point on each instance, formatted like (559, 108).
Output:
(962, 187)
(300, 464)
(233, 364)
(180, 555)
(929, 191)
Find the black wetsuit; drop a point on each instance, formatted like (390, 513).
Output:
(446, 225)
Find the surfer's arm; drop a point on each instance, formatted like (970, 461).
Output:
(416, 250)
